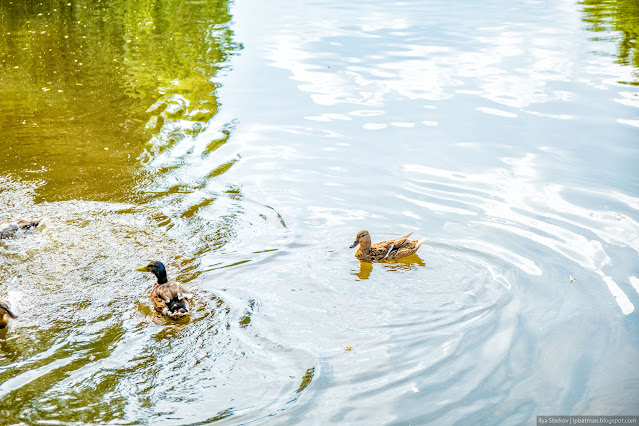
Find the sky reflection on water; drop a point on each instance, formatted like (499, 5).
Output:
(246, 144)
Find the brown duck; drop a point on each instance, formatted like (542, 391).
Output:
(169, 298)
(5, 314)
(386, 250)
(9, 228)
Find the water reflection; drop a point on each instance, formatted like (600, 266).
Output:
(365, 269)
(611, 17)
(482, 125)
(92, 82)
(115, 102)
(88, 347)
(502, 197)
(404, 264)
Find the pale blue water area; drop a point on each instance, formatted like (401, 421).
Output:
(506, 134)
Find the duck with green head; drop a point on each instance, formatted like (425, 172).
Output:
(168, 297)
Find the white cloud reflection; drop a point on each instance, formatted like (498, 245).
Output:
(393, 52)
(526, 206)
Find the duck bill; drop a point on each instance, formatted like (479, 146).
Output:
(143, 269)
(355, 244)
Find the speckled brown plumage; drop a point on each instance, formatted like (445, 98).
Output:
(9, 228)
(5, 314)
(168, 297)
(385, 250)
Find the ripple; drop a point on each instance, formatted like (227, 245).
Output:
(634, 123)
(498, 112)
(87, 345)
(367, 113)
(375, 126)
(431, 313)
(402, 124)
(499, 198)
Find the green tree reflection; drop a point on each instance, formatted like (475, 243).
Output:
(621, 16)
(84, 84)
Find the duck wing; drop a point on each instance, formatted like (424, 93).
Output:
(380, 250)
(388, 249)
(401, 240)
(9, 228)
(171, 298)
(26, 224)
(406, 249)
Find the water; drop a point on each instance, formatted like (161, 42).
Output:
(246, 144)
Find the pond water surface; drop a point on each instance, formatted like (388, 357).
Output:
(245, 144)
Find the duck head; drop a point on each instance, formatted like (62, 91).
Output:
(157, 269)
(363, 239)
